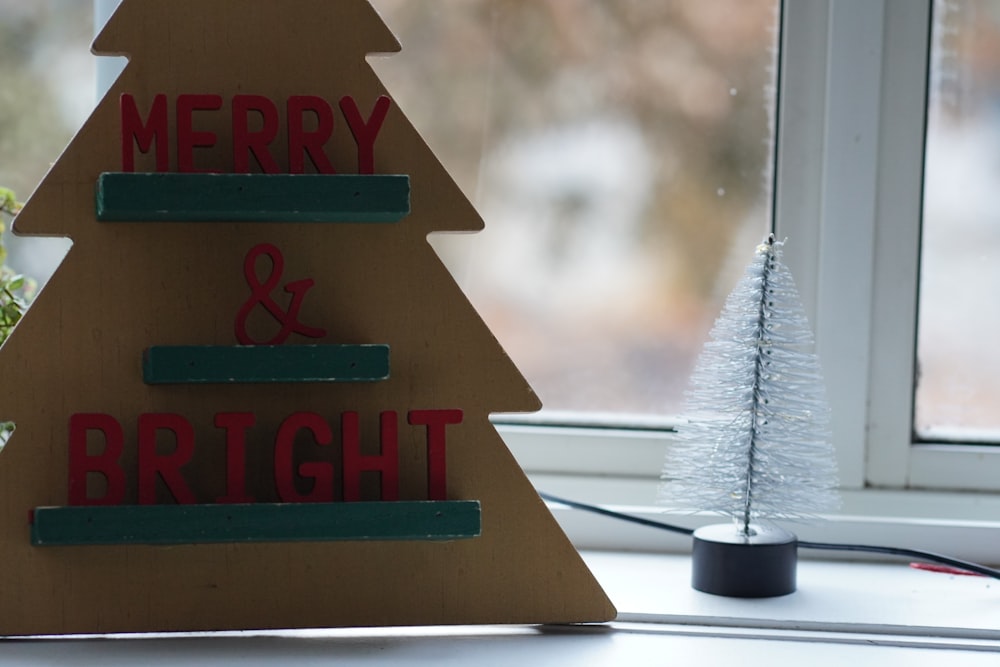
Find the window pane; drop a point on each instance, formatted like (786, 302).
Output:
(46, 92)
(619, 151)
(620, 155)
(958, 390)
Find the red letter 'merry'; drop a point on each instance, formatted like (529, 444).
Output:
(143, 134)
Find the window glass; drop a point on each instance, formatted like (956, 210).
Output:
(958, 389)
(46, 92)
(620, 154)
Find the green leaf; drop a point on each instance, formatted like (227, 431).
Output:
(8, 201)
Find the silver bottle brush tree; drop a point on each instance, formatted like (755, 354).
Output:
(757, 447)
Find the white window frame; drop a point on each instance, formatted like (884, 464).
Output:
(857, 168)
(848, 196)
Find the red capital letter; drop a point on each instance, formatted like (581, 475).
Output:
(187, 138)
(245, 141)
(301, 142)
(386, 463)
(105, 463)
(320, 472)
(365, 132)
(435, 420)
(168, 467)
(144, 133)
(236, 425)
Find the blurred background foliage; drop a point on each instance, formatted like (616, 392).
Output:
(43, 70)
(620, 152)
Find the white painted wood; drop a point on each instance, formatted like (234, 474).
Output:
(802, 101)
(828, 136)
(957, 467)
(847, 224)
(897, 242)
(588, 451)
(849, 197)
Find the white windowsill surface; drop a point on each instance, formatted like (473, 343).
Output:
(832, 596)
(842, 614)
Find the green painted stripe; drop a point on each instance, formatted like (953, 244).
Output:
(251, 364)
(170, 197)
(263, 522)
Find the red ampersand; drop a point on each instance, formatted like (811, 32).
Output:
(260, 293)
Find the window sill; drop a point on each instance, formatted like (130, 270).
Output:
(842, 612)
(877, 599)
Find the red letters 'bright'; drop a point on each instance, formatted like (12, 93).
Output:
(386, 463)
(436, 421)
(236, 425)
(166, 466)
(320, 472)
(106, 463)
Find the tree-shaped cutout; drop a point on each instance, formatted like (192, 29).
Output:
(237, 86)
(758, 445)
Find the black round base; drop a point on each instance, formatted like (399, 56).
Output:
(726, 562)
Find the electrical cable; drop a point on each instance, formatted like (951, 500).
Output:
(962, 565)
(615, 515)
(907, 553)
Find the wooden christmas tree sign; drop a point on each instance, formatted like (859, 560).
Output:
(252, 396)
